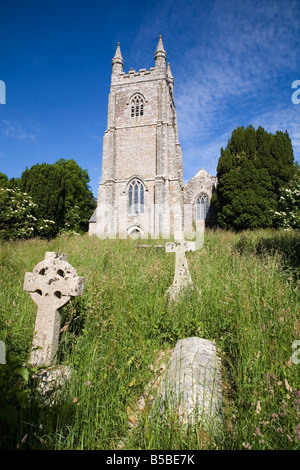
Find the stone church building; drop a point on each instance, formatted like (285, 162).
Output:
(141, 190)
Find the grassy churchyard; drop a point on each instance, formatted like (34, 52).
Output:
(117, 336)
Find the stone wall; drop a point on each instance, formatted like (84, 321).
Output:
(201, 183)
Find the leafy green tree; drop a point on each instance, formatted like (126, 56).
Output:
(3, 180)
(251, 169)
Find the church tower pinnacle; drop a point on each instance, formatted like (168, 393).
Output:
(117, 62)
(170, 78)
(160, 55)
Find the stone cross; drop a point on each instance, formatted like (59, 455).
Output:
(182, 277)
(51, 285)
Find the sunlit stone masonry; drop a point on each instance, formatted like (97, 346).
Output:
(142, 190)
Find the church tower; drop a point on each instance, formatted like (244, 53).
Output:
(141, 188)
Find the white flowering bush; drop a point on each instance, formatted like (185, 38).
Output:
(288, 214)
(19, 217)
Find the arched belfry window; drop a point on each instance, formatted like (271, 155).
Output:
(136, 193)
(137, 105)
(202, 207)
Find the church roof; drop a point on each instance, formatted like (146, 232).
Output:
(93, 218)
(202, 174)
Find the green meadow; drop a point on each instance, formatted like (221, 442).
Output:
(246, 299)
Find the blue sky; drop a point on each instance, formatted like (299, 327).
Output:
(233, 64)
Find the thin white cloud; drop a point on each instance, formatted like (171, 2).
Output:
(15, 131)
(96, 137)
(283, 119)
(223, 80)
(198, 154)
(245, 47)
(227, 57)
(205, 156)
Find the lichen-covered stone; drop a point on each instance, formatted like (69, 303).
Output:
(182, 278)
(51, 383)
(51, 284)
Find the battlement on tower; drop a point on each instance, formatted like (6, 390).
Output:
(143, 74)
(157, 72)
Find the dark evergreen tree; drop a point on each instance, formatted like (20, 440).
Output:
(78, 200)
(44, 183)
(3, 180)
(62, 193)
(251, 170)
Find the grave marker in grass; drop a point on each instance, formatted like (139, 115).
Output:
(51, 284)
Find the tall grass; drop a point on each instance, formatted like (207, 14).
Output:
(245, 299)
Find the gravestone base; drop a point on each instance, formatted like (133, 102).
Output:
(51, 382)
(191, 388)
(175, 293)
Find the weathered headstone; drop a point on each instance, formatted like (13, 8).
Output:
(51, 285)
(192, 384)
(182, 278)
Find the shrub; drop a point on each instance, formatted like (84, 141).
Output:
(288, 214)
(19, 217)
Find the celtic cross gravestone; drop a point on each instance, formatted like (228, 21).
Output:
(51, 284)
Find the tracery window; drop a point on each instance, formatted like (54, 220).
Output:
(136, 193)
(137, 105)
(202, 207)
